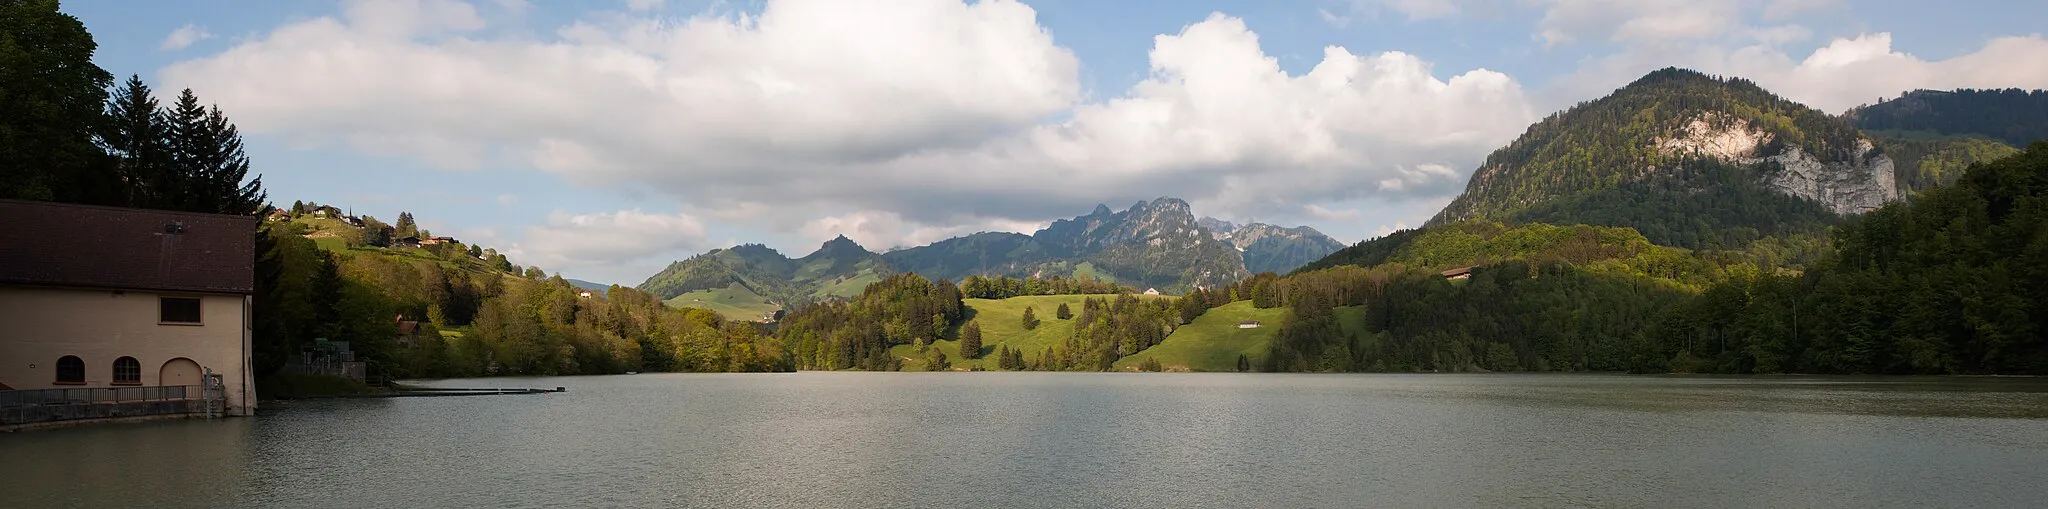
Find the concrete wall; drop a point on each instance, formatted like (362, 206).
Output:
(39, 325)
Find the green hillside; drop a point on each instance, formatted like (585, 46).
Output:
(733, 302)
(1213, 341)
(1002, 324)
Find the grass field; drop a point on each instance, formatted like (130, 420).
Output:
(733, 302)
(1002, 324)
(1213, 341)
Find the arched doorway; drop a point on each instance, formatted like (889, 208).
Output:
(179, 371)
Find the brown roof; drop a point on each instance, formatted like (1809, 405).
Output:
(408, 328)
(1457, 272)
(109, 247)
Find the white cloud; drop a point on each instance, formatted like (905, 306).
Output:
(881, 230)
(184, 36)
(1318, 212)
(615, 245)
(1333, 19)
(1844, 73)
(1780, 10)
(508, 199)
(923, 112)
(1415, 9)
(1635, 21)
(645, 5)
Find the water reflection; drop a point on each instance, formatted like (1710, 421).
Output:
(814, 440)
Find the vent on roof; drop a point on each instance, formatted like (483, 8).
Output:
(174, 227)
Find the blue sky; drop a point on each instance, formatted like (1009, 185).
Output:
(603, 139)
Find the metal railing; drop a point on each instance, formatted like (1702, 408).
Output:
(95, 395)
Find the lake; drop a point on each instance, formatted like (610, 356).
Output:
(814, 440)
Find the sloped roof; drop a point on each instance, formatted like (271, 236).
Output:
(109, 247)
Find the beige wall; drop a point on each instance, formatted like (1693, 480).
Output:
(39, 325)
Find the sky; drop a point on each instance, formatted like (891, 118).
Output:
(603, 139)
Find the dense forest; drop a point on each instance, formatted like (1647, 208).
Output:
(1945, 284)
(2017, 117)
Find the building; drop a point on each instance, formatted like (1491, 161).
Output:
(406, 241)
(1151, 291)
(1457, 273)
(1248, 324)
(437, 240)
(104, 297)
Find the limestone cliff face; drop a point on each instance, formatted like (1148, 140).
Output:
(1861, 181)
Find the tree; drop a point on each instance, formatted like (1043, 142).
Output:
(208, 164)
(138, 137)
(935, 360)
(970, 340)
(1063, 313)
(1151, 364)
(1243, 364)
(376, 233)
(406, 227)
(475, 251)
(51, 98)
(1030, 319)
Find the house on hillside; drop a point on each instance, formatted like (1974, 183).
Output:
(585, 294)
(1248, 324)
(408, 331)
(406, 241)
(1457, 273)
(95, 298)
(437, 240)
(279, 216)
(353, 221)
(1151, 291)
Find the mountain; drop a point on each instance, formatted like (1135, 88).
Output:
(1689, 160)
(752, 279)
(1156, 244)
(1269, 248)
(2013, 116)
(587, 285)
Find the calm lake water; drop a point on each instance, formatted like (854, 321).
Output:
(815, 440)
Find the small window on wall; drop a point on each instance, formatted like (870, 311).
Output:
(181, 310)
(70, 370)
(127, 371)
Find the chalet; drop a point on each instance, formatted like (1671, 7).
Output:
(1248, 324)
(406, 241)
(353, 221)
(279, 216)
(96, 298)
(437, 240)
(585, 294)
(408, 331)
(1151, 291)
(1457, 273)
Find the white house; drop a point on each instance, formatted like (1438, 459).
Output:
(1248, 324)
(1151, 291)
(95, 297)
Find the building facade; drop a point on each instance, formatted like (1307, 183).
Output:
(94, 297)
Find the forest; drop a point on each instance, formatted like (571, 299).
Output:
(1947, 283)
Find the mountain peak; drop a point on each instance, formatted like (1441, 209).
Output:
(1101, 210)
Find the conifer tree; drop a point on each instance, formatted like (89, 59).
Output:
(970, 340)
(1030, 319)
(1063, 313)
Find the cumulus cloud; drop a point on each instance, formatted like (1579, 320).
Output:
(928, 113)
(184, 36)
(605, 242)
(1845, 72)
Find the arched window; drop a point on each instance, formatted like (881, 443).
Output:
(127, 371)
(71, 370)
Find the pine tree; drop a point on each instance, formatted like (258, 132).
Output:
(1030, 319)
(51, 99)
(970, 340)
(1243, 364)
(138, 137)
(1063, 313)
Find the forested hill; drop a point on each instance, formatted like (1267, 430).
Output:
(1688, 159)
(2016, 117)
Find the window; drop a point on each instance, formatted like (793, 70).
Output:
(127, 371)
(178, 310)
(71, 370)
